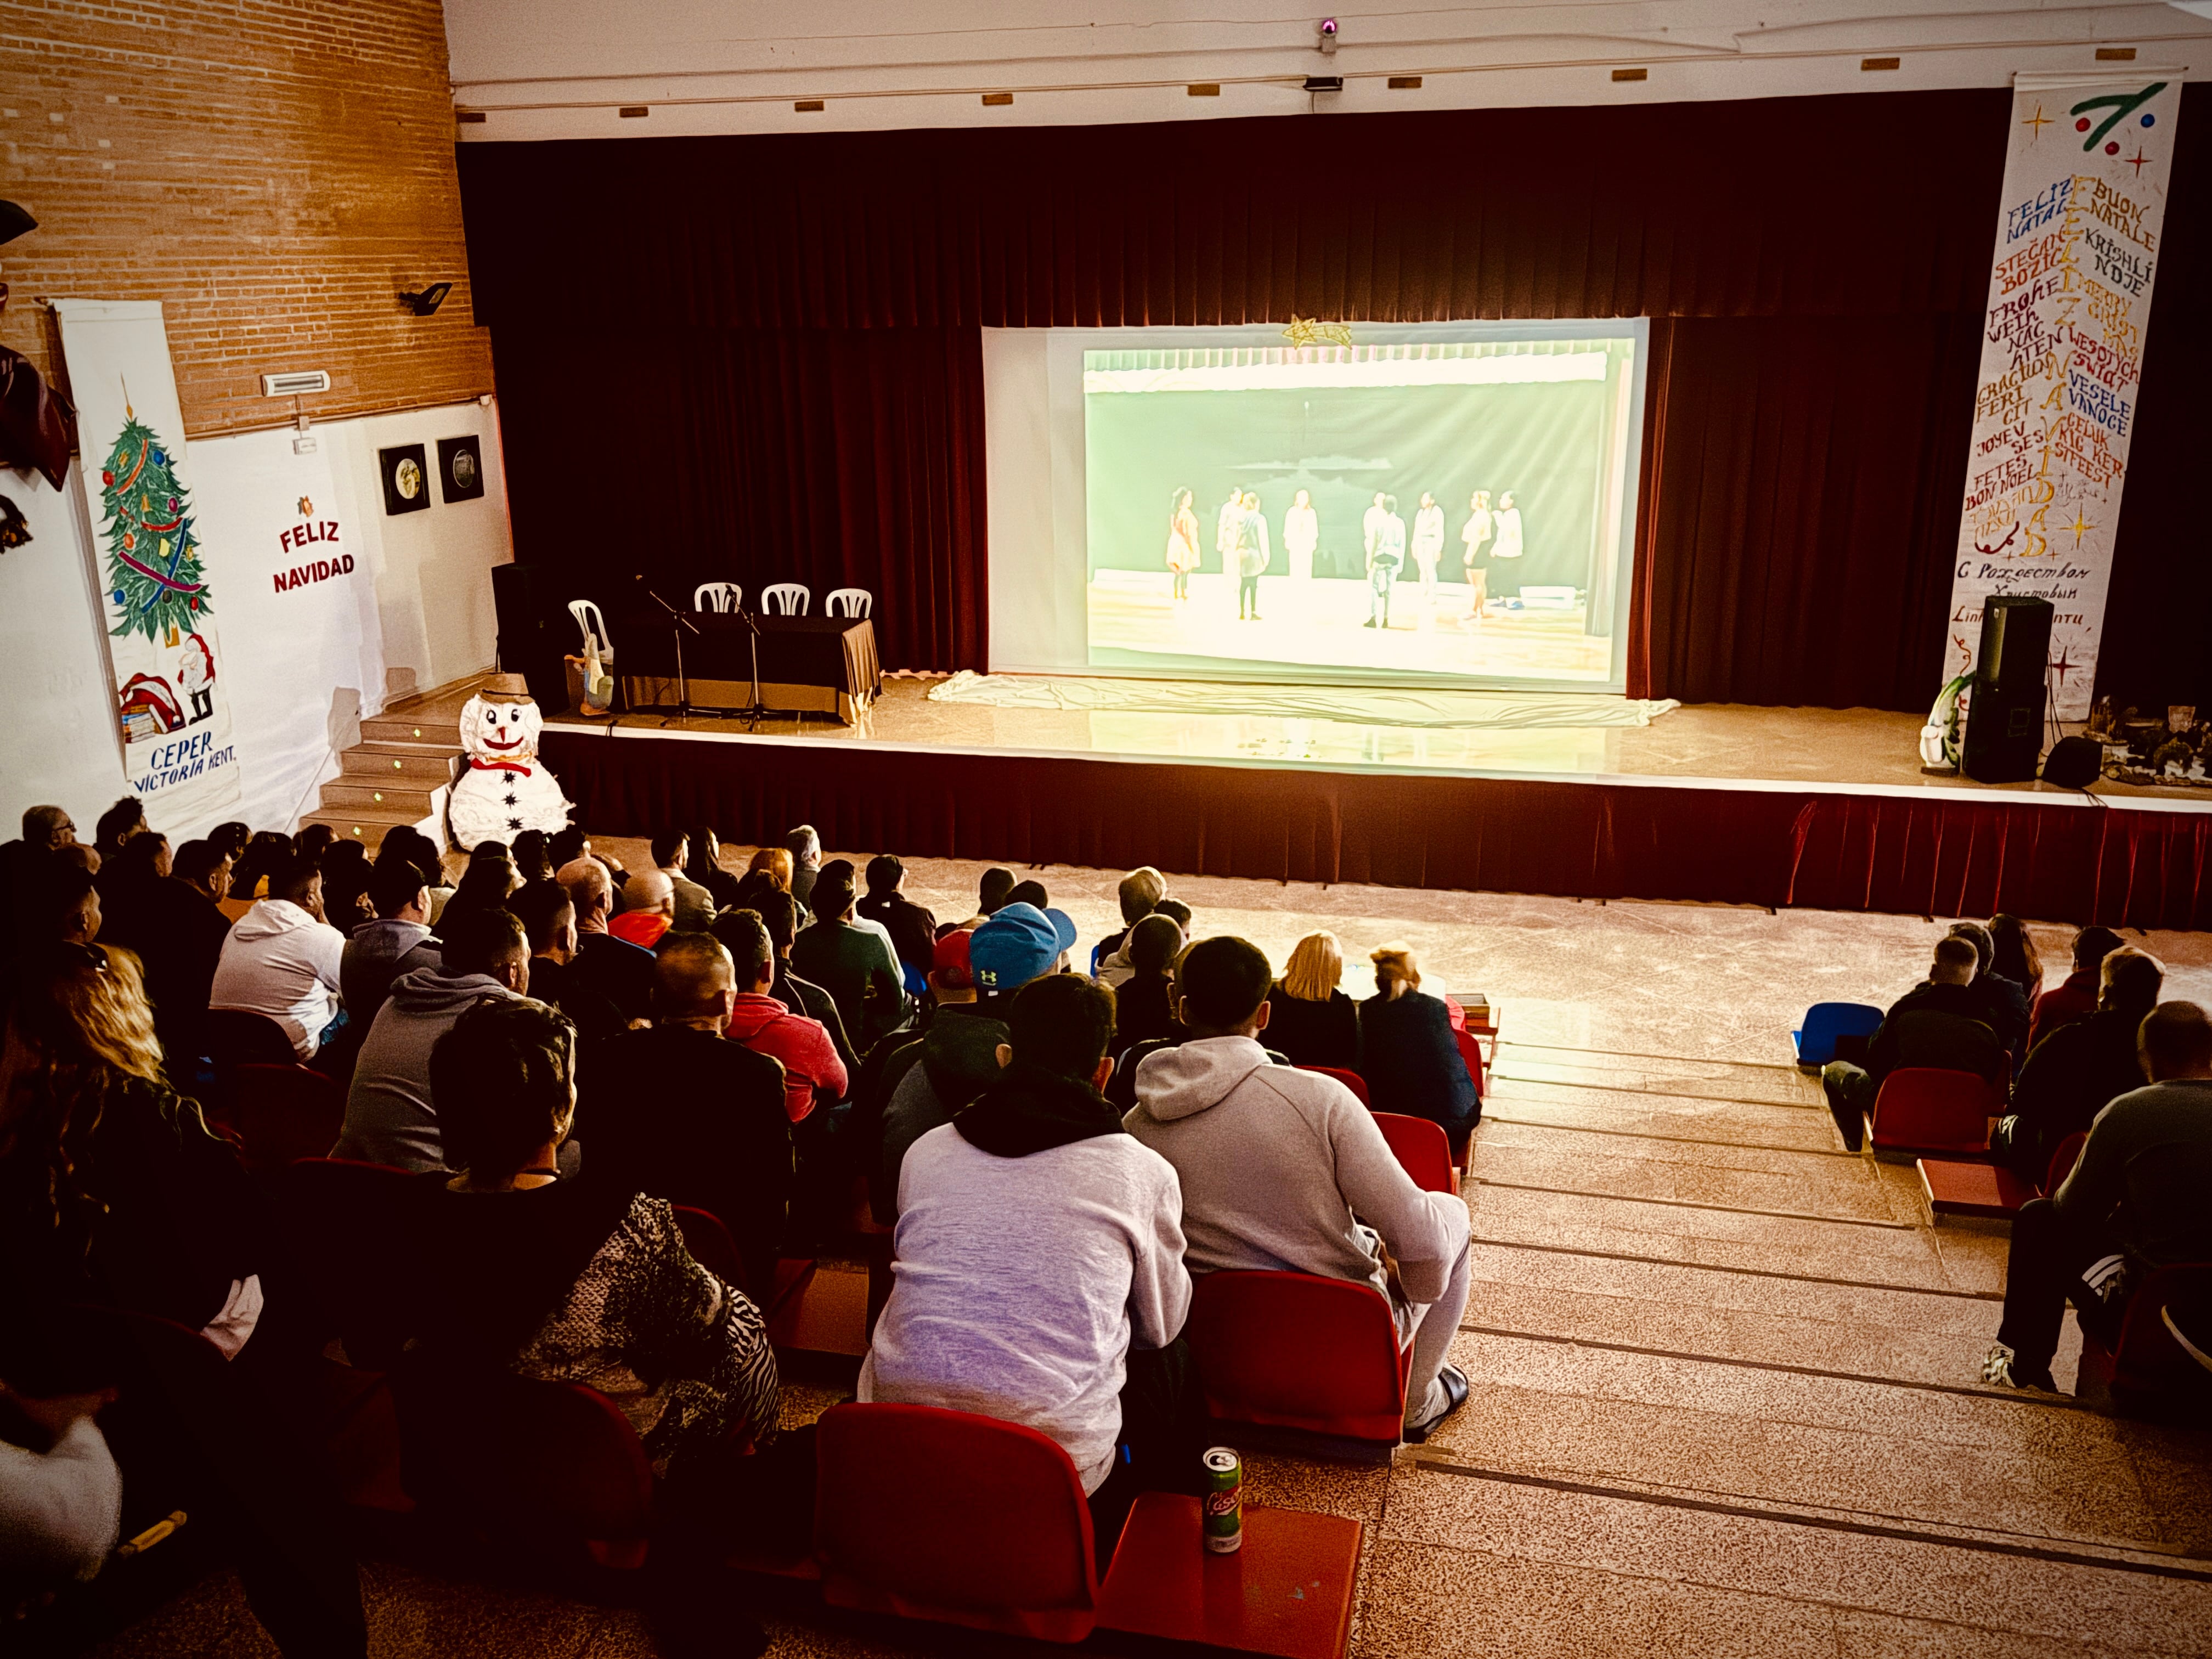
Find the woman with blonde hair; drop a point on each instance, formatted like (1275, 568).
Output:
(1407, 1053)
(776, 862)
(1309, 1018)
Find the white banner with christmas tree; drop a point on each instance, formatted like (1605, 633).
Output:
(162, 644)
(2078, 236)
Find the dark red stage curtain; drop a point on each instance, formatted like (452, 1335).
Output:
(830, 456)
(1858, 205)
(1799, 507)
(2058, 862)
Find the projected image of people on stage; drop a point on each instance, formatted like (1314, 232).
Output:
(1449, 508)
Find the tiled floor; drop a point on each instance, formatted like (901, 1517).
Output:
(1726, 1392)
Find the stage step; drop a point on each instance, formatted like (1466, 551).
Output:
(345, 795)
(411, 763)
(439, 732)
(367, 824)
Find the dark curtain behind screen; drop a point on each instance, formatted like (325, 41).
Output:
(837, 457)
(1817, 270)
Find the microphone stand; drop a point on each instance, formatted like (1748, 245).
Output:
(678, 622)
(757, 711)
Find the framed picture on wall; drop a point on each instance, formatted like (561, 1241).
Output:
(461, 468)
(406, 485)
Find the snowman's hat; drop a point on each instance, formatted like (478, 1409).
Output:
(502, 687)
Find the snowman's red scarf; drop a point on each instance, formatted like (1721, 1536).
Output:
(511, 767)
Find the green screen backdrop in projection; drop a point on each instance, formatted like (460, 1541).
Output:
(1545, 439)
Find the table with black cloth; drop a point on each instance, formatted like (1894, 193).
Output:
(809, 664)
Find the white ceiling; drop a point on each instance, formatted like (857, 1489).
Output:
(562, 69)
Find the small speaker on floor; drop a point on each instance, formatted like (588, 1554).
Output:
(2073, 762)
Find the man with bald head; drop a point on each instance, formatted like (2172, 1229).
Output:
(680, 1113)
(610, 967)
(648, 908)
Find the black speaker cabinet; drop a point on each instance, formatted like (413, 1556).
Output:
(535, 632)
(2005, 721)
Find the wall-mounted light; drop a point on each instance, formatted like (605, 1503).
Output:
(428, 301)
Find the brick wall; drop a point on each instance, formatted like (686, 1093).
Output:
(273, 171)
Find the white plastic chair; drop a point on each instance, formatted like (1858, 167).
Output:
(717, 596)
(786, 599)
(593, 624)
(848, 602)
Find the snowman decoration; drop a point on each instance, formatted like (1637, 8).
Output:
(503, 791)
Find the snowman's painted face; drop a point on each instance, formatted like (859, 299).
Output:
(506, 729)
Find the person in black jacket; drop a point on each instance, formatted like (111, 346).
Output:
(2006, 1001)
(1408, 1054)
(680, 1113)
(613, 967)
(177, 927)
(1309, 1017)
(1144, 1008)
(912, 928)
(1941, 1024)
(2079, 1068)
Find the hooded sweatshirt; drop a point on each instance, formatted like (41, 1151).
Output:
(959, 1060)
(379, 952)
(389, 1118)
(813, 1074)
(1035, 1246)
(279, 961)
(1275, 1162)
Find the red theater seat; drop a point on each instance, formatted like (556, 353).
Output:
(1295, 1350)
(1288, 1591)
(1423, 1148)
(1350, 1080)
(955, 1518)
(2146, 1360)
(342, 1221)
(1989, 1191)
(1921, 1110)
(281, 1113)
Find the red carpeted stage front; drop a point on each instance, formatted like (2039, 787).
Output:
(2136, 861)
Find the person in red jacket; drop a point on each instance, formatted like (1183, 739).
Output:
(2075, 998)
(813, 1076)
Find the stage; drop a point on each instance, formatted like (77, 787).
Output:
(1823, 809)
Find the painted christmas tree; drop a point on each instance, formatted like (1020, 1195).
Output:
(154, 576)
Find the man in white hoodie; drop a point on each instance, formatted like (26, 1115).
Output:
(1276, 1163)
(1039, 1260)
(282, 959)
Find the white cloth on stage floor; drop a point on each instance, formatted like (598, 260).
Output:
(1361, 704)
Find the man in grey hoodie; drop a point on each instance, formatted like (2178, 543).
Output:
(398, 942)
(1284, 1169)
(389, 1115)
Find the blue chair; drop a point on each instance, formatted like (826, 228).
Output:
(1827, 1021)
(1097, 955)
(916, 982)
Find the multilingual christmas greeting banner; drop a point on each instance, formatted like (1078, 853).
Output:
(171, 709)
(2078, 240)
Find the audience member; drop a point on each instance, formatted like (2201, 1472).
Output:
(805, 849)
(2074, 997)
(232, 837)
(347, 871)
(703, 865)
(128, 882)
(582, 1279)
(548, 921)
(1309, 1017)
(2005, 1004)
(1408, 1055)
(651, 898)
(1039, 1260)
(1032, 893)
(181, 943)
(990, 895)
(813, 1076)
(404, 843)
(485, 885)
(1176, 912)
(695, 906)
(959, 1055)
(2135, 1200)
(2016, 956)
(62, 907)
(775, 862)
(1143, 1011)
(912, 929)
(854, 964)
(779, 914)
(616, 969)
(61, 1509)
(398, 942)
(1258, 1196)
(679, 1112)
(314, 841)
(390, 1116)
(266, 851)
(1939, 1024)
(23, 862)
(126, 819)
(281, 960)
(532, 855)
(2076, 1070)
(952, 997)
(1138, 894)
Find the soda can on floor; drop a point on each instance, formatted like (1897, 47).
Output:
(1223, 1521)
